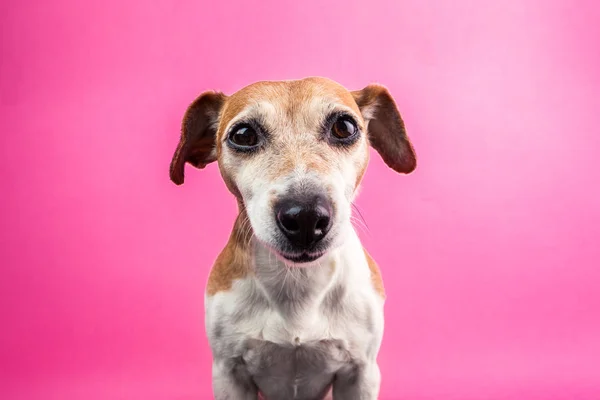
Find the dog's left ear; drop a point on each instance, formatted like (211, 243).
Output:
(386, 128)
(198, 134)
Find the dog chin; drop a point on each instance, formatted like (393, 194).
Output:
(303, 259)
(299, 258)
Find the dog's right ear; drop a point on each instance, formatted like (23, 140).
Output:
(198, 134)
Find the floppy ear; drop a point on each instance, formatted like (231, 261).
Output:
(386, 128)
(198, 134)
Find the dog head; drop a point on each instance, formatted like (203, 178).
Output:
(294, 154)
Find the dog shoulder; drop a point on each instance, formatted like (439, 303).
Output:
(230, 265)
(233, 261)
(376, 279)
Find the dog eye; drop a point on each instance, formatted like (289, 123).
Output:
(244, 137)
(344, 128)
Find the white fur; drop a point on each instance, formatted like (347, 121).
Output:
(311, 323)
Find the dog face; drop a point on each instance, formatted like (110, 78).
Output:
(294, 154)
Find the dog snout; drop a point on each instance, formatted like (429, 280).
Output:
(304, 221)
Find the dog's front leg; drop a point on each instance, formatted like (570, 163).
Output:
(231, 381)
(357, 383)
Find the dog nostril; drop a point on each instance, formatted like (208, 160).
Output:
(289, 219)
(321, 221)
(322, 224)
(290, 224)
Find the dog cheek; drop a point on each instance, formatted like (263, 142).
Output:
(349, 178)
(228, 173)
(259, 213)
(360, 161)
(247, 190)
(360, 166)
(340, 193)
(232, 186)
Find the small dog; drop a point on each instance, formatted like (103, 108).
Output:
(294, 304)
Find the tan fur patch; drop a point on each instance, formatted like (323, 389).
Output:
(281, 93)
(376, 278)
(233, 262)
(292, 111)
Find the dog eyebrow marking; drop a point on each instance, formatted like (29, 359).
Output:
(376, 278)
(258, 113)
(232, 263)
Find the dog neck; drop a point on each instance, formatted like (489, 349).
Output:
(290, 289)
(293, 288)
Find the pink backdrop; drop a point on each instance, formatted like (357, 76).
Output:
(489, 250)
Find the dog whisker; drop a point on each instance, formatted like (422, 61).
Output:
(355, 207)
(359, 225)
(296, 278)
(287, 271)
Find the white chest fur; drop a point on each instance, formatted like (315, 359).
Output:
(293, 329)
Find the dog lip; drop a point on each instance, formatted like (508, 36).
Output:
(301, 258)
(297, 257)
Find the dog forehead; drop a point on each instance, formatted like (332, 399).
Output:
(289, 97)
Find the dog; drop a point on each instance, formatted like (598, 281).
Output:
(293, 303)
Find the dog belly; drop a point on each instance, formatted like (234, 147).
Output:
(294, 372)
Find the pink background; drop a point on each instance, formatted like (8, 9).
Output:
(489, 250)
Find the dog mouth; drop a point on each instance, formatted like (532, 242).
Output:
(303, 257)
(297, 256)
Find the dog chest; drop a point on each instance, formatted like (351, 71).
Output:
(294, 371)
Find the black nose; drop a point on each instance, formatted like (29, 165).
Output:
(304, 222)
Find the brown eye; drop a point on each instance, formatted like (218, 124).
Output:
(243, 137)
(344, 128)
